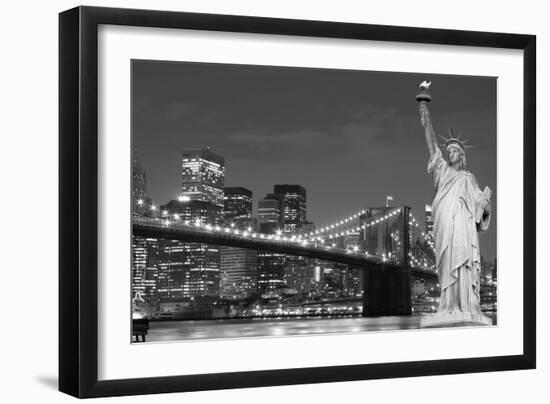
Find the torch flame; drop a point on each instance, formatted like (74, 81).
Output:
(425, 85)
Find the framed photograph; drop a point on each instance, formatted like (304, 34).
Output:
(253, 202)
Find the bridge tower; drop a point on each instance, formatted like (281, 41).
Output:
(387, 286)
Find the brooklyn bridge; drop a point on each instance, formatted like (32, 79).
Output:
(388, 263)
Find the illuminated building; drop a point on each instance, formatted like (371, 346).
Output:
(202, 176)
(187, 269)
(238, 272)
(300, 271)
(237, 205)
(271, 272)
(270, 213)
(300, 274)
(339, 280)
(429, 221)
(173, 279)
(238, 266)
(193, 269)
(271, 266)
(144, 266)
(192, 211)
(318, 276)
(141, 201)
(488, 296)
(293, 199)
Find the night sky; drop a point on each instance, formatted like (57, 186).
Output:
(349, 137)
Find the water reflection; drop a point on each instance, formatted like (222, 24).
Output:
(217, 329)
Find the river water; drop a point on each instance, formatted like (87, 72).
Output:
(246, 328)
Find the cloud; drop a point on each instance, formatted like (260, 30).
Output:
(355, 128)
(176, 111)
(299, 136)
(267, 141)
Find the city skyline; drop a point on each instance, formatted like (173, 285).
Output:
(333, 146)
(168, 270)
(186, 279)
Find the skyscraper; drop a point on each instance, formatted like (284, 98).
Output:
(144, 250)
(270, 213)
(141, 202)
(144, 266)
(238, 266)
(293, 199)
(192, 211)
(202, 176)
(429, 221)
(299, 274)
(174, 275)
(271, 266)
(271, 272)
(237, 207)
(189, 269)
(192, 269)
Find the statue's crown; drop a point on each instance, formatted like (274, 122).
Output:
(455, 140)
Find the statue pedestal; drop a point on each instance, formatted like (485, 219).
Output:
(454, 320)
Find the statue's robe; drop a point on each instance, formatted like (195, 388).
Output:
(457, 199)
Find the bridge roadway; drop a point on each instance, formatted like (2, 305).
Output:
(155, 228)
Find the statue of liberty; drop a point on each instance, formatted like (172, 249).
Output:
(460, 210)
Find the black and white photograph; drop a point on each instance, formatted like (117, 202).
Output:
(275, 202)
(272, 201)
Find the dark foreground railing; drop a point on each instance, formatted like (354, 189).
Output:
(140, 326)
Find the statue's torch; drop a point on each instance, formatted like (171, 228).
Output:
(423, 95)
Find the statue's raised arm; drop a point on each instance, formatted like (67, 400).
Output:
(426, 121)
(423, 97)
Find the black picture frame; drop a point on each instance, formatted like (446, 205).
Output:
(78, 206)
